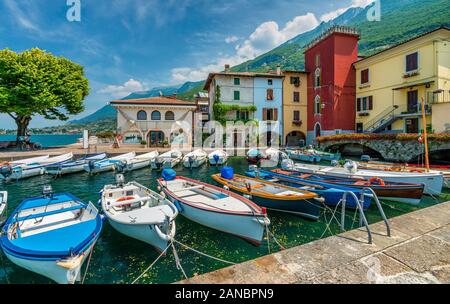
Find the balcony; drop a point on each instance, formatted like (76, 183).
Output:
(155, 125)
(438, 96)
(297, 123)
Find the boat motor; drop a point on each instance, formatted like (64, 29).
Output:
(334, 163)
(6, 171)
(47, 191)
(91, 165)
(191, 160)
(120, 166)
(351, 166)
(120, 180)
(287, 164)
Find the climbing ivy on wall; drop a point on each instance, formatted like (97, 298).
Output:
(220, 110)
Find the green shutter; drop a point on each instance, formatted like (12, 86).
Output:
(237, 95)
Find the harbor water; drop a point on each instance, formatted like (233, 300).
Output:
(119, 259)
(50, 140)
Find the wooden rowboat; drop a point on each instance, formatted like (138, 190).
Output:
(275, 197)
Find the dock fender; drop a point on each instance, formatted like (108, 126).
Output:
(178, 205)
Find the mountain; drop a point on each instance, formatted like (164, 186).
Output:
(400, 21)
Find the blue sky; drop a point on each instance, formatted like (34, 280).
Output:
(133, 45)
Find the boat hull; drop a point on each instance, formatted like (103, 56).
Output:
(305, 208)
(249, 228)
(50, 268)
(195, 163)
(222, 160)
(305, 158)
(63, 170)
(137, 165)
(144, 233)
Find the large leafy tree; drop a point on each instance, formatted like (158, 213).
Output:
(35, 82)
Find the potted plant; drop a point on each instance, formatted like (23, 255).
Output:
(165, 143)
(144, 143)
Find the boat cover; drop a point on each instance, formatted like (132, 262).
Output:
(227, 173)
(169, 174)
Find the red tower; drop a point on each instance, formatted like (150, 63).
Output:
(331, 82)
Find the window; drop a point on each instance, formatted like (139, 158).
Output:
(317, 78)
(359, 127)
(295, 81)
(365, 76)
(317, 60)
(270, 82)
(237, 95)
(412, 62)
(296, 96)
(156, 115)
(364, 104)
(242, 115)
(270, 114)
(317, 105)
(269, 94)
(237, 81)
(142, 115)
(296, 115)
(170, 115)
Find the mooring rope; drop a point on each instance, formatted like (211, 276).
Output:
(89, 261)
(204, 254)
(327, 227)
(177, 261)
(275, 239)
(152, 264)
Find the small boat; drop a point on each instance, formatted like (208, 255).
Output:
(27, 170)
(3, 206)
(392, 191)
(136, 163)
(332, 194)
(326, 155)
(271, 157)
(218, 157)
(167, 160)
(109, 164)
(26, 161)
(73, 166)
(304, 156)
(433, 181)
(254, 156)
(272, 196)
(215, 207)
(52, 235)
(195, 159)
(139, 213)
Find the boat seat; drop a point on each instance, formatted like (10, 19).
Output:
(147, 216)
(289, 193)
(305, 175)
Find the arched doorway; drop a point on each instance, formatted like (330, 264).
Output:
(155, 138)
(318, 130)
(295, 139)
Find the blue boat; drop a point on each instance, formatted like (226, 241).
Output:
(331, 193)
(52, 235)
(73, 166)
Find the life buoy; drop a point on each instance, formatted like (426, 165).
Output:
(378, 180)
(416, 171)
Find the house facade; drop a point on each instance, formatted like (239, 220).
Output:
(295, 106)
(155, 120)
(392, 84)
(331, 82)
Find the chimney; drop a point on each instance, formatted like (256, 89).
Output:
(227, 68)
(278, 69)
(174, 95)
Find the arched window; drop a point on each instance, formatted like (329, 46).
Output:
(170, 115)
(318, 130)
(317, 105)
(142, 115)
(156, 115)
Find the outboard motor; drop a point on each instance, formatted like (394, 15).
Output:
(287, 164)
(351, 166)
(91, 165)
(47, 192)
(120, 166)
(120, 180)
(159, 161)
(191, 160)
(334, 163)
(6, 171)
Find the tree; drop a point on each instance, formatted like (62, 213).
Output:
(35, 82)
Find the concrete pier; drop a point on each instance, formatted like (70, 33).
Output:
(417, 252)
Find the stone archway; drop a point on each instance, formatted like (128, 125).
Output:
(294, 139)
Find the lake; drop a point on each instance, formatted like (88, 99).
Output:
(119, 259)
(51, 140)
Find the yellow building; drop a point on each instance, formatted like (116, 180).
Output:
(294, 107)
(391, 85)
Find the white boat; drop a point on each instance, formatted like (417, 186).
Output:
(195, 159)
(271, 157)
(139, 213)
(218, 157)
(215, 207)
(52, 235)
(433, 181)
(138, 162)
(73, 166)
(3, 206)
(110, 164)
(27, 161)
(167, 160)
(21, 171)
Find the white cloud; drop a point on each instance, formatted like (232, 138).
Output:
(231, 39)
(120, 91)
(265, 37)
(333, 14)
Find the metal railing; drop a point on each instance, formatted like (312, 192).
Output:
(381, 118)
(366, 192)
(438, 96)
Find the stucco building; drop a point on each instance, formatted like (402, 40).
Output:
(331, 82)
(391, 85)
(154, 120)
